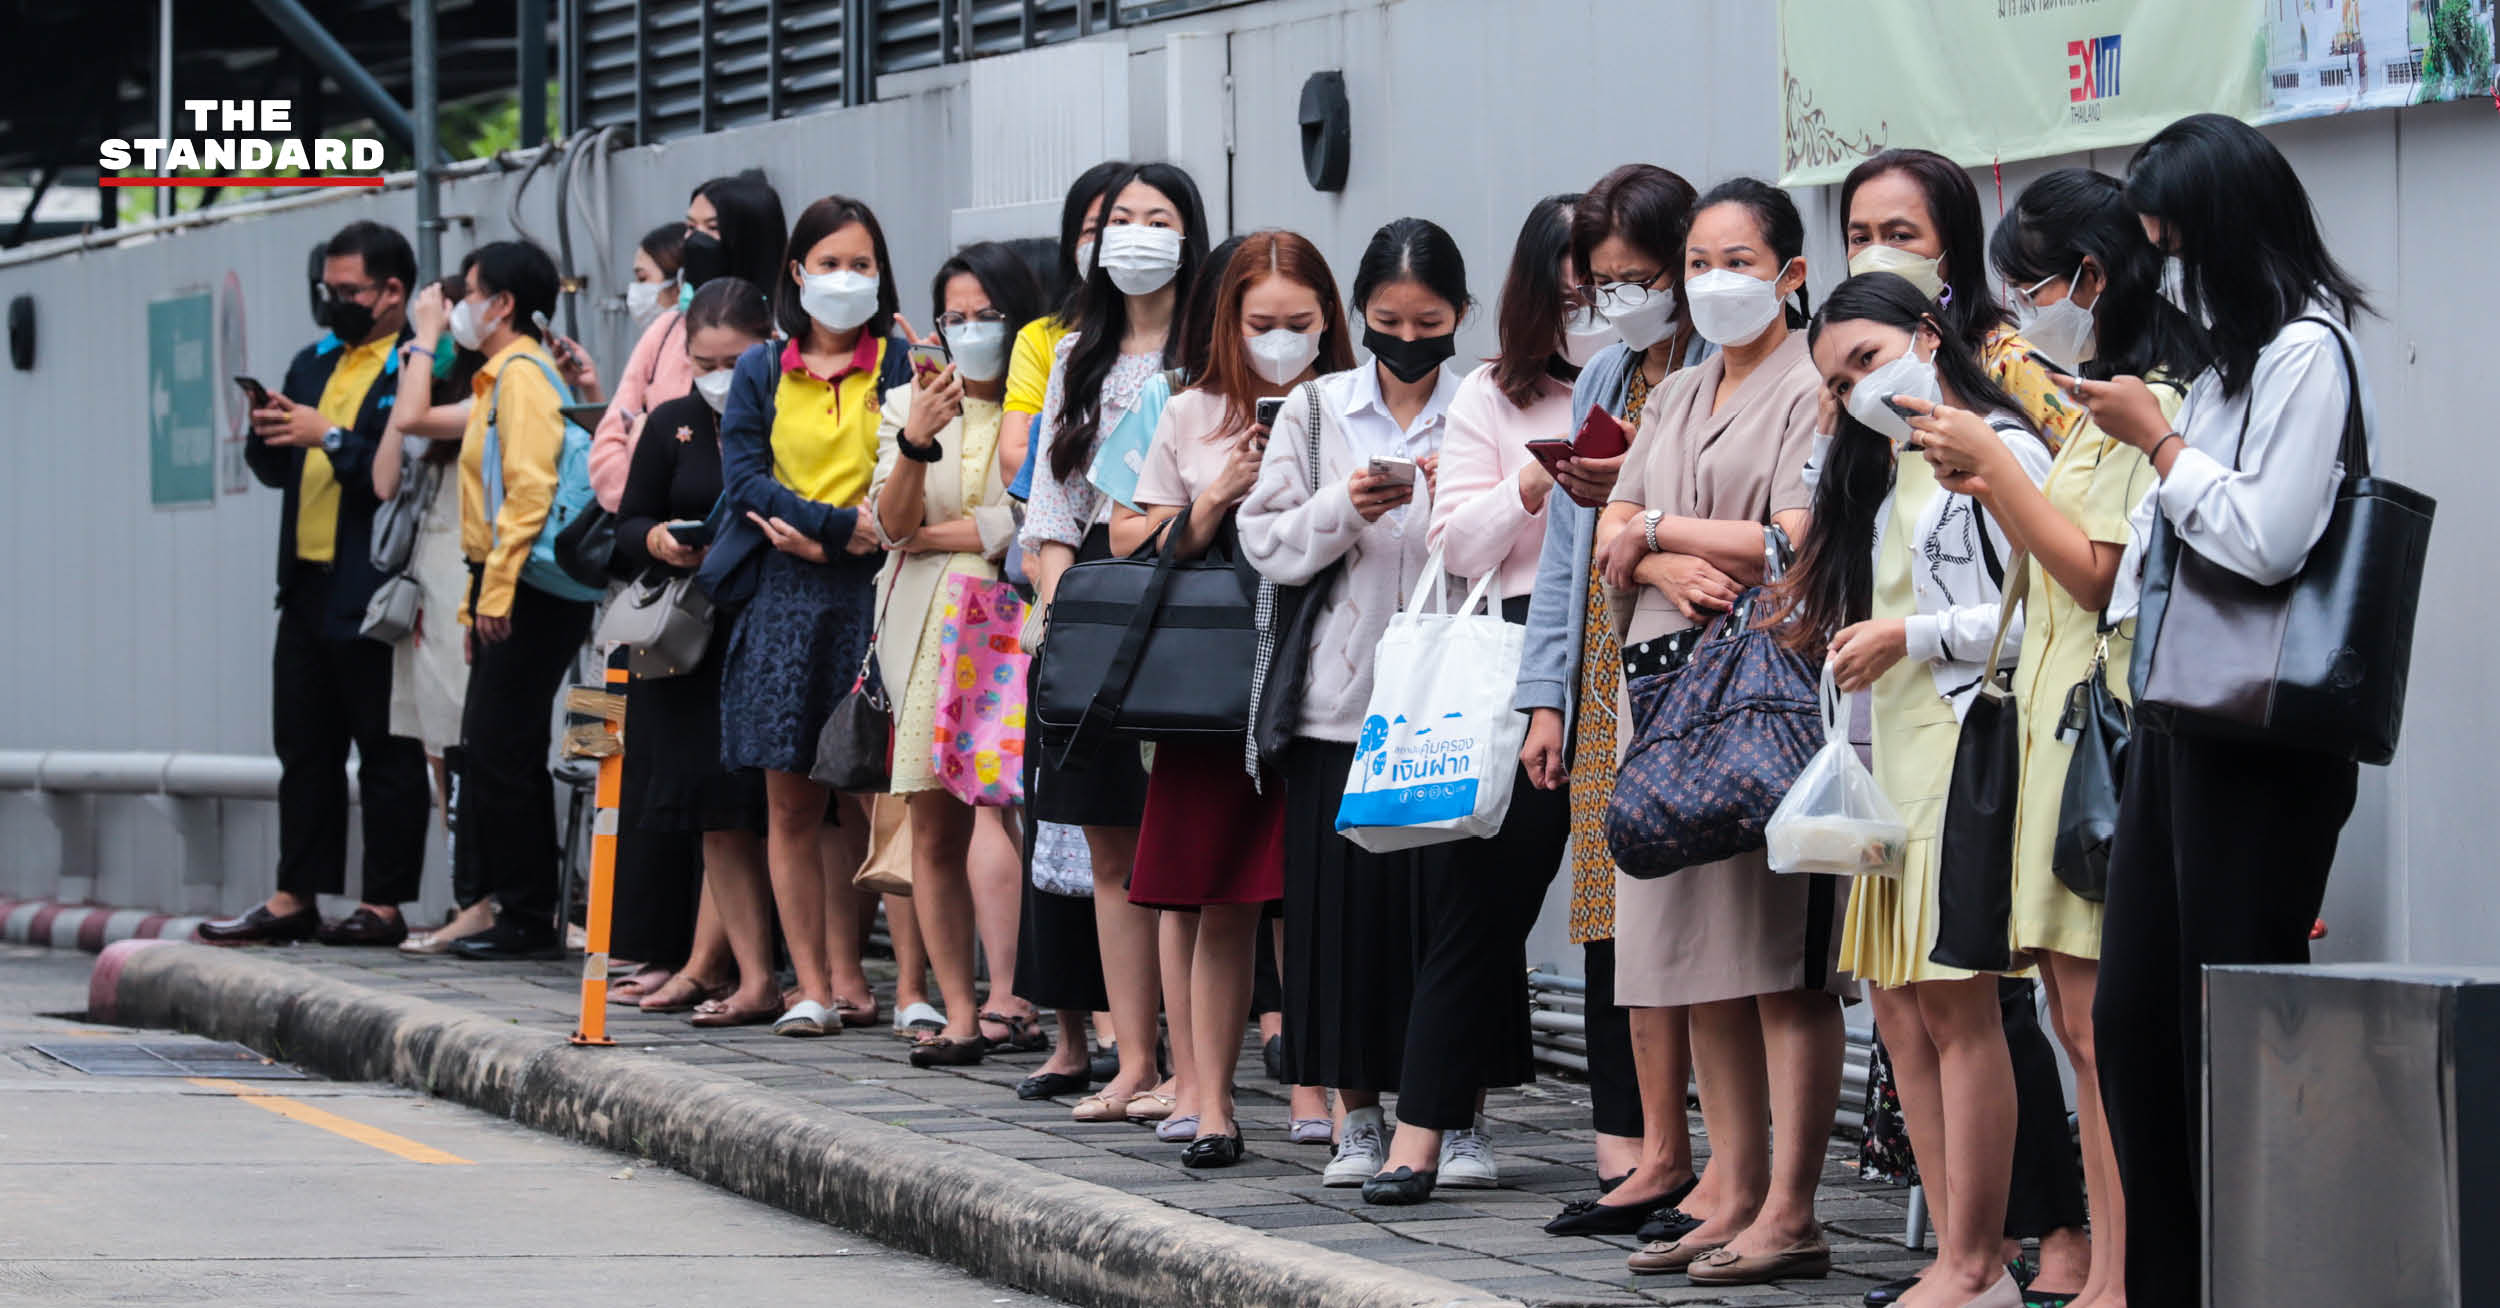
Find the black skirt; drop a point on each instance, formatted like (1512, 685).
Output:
(1103, 785)
(1349, 967)
(674, 779)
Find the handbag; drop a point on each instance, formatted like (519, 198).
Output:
(1716, 745)
(664, 622)
(1281, 664)
(392, 612)
(2087, 807)
(2317, 662)
(855, 751)
(887, 869)
(1148, 647)
(396, 522)
(1975, 837)
(978, 747)
(586, 548)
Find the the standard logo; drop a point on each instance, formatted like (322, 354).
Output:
(260, 142)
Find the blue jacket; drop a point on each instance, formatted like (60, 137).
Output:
(282, 467)
(729, 571)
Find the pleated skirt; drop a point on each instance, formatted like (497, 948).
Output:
(1349, 965)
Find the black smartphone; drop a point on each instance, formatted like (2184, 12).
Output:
(254, 391)
(1266, 410)
(691, 533)
(1907, 414)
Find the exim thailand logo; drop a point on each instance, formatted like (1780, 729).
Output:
(2091, 76)
(241, 143)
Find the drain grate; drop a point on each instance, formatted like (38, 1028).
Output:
(169, 1058)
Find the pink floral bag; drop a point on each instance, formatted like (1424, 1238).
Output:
(978, 751)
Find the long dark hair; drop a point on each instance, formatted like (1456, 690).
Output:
(818, 221)
(1969, 304)
(1068, 280)
(1102, 317)
(1004, 278)
(1196, 342)
(1229, 373)
(1774, 215)
(1529, 319)
(1833, 581)
(1412, 250)
(2237, 216)
(2075, 212)
(752, 229)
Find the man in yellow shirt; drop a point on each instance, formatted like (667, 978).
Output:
(314, 441)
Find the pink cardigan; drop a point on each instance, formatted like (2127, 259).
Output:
(658, 372)
(1477, 515)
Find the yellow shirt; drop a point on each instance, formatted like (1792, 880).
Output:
(317, 493)
(530, 431)
(824, 435)
(1028, 368)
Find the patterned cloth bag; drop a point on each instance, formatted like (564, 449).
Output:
(978, 750)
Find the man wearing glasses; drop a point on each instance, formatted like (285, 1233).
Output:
(314, 440)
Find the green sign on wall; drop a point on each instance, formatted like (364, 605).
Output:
(182, 400)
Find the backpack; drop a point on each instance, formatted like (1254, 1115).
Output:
(571, 498)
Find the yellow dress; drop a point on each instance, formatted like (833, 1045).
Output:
(1891, 924)
(915, 719)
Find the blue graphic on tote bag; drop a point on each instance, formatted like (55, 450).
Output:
(1416, 776)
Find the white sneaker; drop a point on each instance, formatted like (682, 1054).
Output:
(1467, 1161)
(1360, 1148)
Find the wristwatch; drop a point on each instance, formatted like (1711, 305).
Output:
(1649, 528)
(334, 440)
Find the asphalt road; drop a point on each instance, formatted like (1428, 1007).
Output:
(170, 1190)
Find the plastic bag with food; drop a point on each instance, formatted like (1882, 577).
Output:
(1836, 821)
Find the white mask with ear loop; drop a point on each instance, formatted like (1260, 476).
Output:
(1908, 375)
(2064, 331)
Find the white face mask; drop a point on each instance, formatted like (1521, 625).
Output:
(1906, 375)
(643, 299)
(1731, 308)
(469, 327)
(1084, 258)
(979, 350)
(1924, 273)
(2063, 331)
(1586, 334)
(1641, 316)
(1281, 354)
(840, 300)
(714, 388)
(1140, 259)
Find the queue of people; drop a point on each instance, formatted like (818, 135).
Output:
(1937, 488)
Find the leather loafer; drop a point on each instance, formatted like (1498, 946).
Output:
(1051, 1085)
(1808, 1261)
(507, 941)
(1589, 1217)
(1214, 1151)
(262, 927)
(1400, 1188)
(365, 927)
(1659, 1256)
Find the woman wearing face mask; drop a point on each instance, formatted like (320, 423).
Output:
(1916, 214)
(798, 551)
(1706, 504)
(674, 780)
(1909, 619)
(1153, 240)
(1028, 367)
(653, 290)
(2087, 289)
(733, 228)
(1210, 842)
(1476, 899)
(2223, 847)
(1348, 966)
(1627, 238)
(941, 506)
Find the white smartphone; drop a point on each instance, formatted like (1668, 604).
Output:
(1393, 468)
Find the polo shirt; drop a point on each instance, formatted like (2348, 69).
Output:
(824, 436)
(317, 493)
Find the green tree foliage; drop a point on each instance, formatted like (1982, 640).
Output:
(2456, 60)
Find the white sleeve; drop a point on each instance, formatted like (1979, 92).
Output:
(2260, 520)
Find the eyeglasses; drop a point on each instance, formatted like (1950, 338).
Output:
(1611, 298)
(2025, 294)
(958, 320)
(342, 292)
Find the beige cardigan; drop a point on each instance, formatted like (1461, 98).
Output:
(908, 584)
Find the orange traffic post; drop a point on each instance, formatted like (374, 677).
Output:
(609, 707)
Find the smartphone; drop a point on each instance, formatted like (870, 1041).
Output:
(1265, 411)
(927, 358)
(1907, 414)
(586, 416)
(693, 533)
(1601, 436)
(547, 336)
(1395, 469)
(254, 391)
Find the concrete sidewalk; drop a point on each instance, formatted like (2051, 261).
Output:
(951, 1163)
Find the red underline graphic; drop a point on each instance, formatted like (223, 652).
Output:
(239, 181)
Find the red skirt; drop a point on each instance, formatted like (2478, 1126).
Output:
(1208, 837)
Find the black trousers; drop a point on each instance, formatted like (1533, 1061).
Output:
(2047, 1190)
(325, 694)
(2222, 856)
(1614, 1079)
(1467, 1029)
(508, 838)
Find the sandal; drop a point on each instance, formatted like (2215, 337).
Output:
(1103, 1107)
(1024, 1034)
(807, 1018)
(911, 1022)
(682, 993)
(855, 1014)
(949, 1051)
(718, 1013)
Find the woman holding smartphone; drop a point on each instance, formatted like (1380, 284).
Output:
(1147, 257)
(1349, 913)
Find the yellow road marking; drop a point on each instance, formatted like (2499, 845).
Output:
(331, 1122)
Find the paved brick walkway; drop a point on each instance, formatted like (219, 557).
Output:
(1491, 1239)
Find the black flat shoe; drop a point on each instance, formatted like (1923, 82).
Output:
(365, 927)
(1212, 1151)
(1589, 1217)
(1105, 1064)
(938, 1051)
(1051, 1085)
(1668, 1224)
(508, 941)
(1610, 1184)
(1273, 1054)
(1399, 1188)
(262, 927)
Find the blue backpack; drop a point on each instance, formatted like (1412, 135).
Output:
(570, 500)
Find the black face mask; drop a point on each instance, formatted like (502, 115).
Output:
(1409, 361)
(702, 258)
(350, 322)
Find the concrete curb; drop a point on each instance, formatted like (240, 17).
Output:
(997, 1217)
(88, 926)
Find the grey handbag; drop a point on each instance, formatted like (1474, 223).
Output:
(392, 612)
(664, 623)
(395, 524)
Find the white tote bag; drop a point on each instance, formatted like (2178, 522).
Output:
(1441, 741)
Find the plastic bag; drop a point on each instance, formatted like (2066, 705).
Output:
(1836, 821)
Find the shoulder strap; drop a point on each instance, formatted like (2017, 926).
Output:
(492, 463)
(1310, 438)
(2355, 450)
(1989, 683)
(1112, 695)
(1988, 546)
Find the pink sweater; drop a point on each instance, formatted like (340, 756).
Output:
(658, 372)
(1477, 516)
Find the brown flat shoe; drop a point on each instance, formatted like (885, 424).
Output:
(682, 993)
(1660, 1256)
(1810, 1261)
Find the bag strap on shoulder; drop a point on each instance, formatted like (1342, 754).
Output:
(1112, 695)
